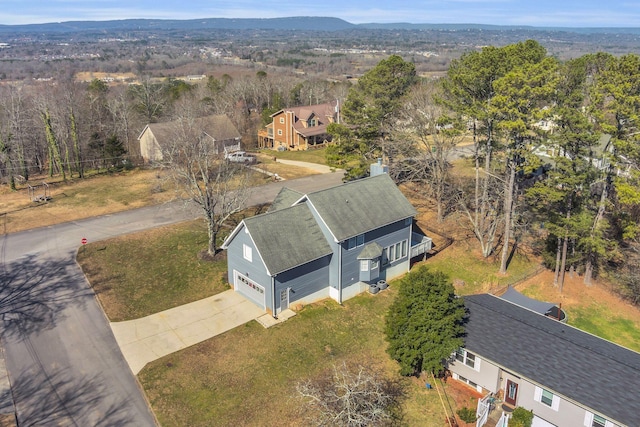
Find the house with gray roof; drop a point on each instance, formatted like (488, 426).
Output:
(567, 377)
(332, 243)
(218, 128)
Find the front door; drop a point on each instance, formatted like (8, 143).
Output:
(511, 393)
(284, 299)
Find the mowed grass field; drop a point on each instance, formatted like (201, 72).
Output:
(247, 376)
(98, 194)
(133, 278)
(106, 193)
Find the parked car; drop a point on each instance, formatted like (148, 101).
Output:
(241, 157)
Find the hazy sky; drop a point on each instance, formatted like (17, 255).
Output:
(573, 13)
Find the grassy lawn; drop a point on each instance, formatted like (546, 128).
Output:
(461, 264)
(601, 321)
(81, 198)
(143, 273)
(311, 156)
(97, 194)
(247, 376)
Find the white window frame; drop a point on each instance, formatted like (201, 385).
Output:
(279, 132)
(247, 252)
(555, 399)
(470, 383)
(395, 252)
(364, 265)
(462, 356)
(281, 120)
(590, 418)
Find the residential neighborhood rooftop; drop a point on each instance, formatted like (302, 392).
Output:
(284, 199)
(359, 206)
(218, 127)
(580, 366)
(293, 231)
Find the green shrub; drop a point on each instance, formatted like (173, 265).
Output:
(521, 418)
(467, 415)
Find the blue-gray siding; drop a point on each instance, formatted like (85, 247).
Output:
(305, 280)
(384, 236)
(254, 270)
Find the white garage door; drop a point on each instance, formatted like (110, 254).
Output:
(539, 422)
(250, 289)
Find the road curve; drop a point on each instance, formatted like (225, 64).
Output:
(62, 359)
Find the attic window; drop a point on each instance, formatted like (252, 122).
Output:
(355, 242)
(247, 252)
(282, 120)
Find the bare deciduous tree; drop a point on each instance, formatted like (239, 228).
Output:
(351, 396)
(197, 165)
(431, 137)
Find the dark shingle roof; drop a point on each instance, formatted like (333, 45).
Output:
(360, 206)
(284, 199)
(287, 238)
(582, 367)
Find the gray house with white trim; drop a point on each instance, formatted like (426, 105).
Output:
(331, 243)
(567, 377)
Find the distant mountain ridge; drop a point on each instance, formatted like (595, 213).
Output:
(291, 23)
(295, 23)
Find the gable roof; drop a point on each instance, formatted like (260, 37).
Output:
(582, 367)
(304, 112)
(324, 112)
(218, 127)
(287, 238)
(359, 206)
(284, 199)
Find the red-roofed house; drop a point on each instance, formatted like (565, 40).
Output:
(299, 128)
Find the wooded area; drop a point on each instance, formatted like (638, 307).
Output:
(555, 143)
(555, 150)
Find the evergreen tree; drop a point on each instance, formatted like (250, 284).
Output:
(368, 112)
(424, 325)
(470, 91)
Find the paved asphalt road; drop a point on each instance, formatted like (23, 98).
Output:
(63, 362)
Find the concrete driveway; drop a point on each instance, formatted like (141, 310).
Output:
(149, 338)
(61, 355)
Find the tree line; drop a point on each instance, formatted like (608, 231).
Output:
(554, 146)
(63, 127)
